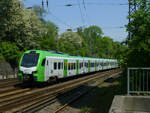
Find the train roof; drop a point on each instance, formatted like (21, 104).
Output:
(61, 54)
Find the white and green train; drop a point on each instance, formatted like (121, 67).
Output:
(44, 66)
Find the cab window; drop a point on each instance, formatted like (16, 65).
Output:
(43, 62)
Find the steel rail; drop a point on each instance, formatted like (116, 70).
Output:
(6, 81)
(82, 94)
(43, 94)
(47, 98)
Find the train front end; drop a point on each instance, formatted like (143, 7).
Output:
(29, 68)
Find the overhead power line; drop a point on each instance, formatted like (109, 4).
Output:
(114, 27)
(82, 18)
(58, 19)
(85, 9)
(84, 4)
(97, 3)
(45, 2)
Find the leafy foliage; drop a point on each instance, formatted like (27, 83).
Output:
(139, 52)
(19, 25)
(48, 40)
(99, 45)
(70, 42)
(22, 29)
(10, 52)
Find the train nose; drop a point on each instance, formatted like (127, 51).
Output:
(28, 77)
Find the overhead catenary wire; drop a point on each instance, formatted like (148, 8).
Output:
(111, 4)
(98, 3)
(58, 19)
(85, 9)
(84, 4)
(49, 12)
(114, 27)
(82, 18)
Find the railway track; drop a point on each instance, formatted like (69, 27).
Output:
(3, 81)
(77, 95)
(8, 83)
(27, 100)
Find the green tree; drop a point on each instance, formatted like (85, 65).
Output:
(48, 40)
(91, 35)
(10, 52)
(139, 44)
(70, 42)
(19, 25)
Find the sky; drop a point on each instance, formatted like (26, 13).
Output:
(110, 15)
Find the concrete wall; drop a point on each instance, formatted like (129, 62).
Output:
(6, 71)
(130, 104)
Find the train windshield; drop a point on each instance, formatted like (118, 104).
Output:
(30, 60)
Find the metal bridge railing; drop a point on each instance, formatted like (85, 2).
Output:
(138, 81)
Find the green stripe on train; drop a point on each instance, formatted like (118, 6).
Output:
(89, 66)
(65, 68)
(77, 66)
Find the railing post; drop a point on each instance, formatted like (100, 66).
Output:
(128, 80)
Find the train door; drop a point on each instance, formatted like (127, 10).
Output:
(81, 69)
(51, 68)
(97, 65)
(60, 68)
(100, 64)
(54, 67)
(92, 65)
(47, 69)
(71, 70)
(73, 67)
(85, 66)
(104, 64)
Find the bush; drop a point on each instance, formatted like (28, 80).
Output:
(10, 52)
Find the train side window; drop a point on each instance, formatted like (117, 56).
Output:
(55, 65)
(86, 65)
(71, 66)
(59, 65)
(43, 62)
(68, 66)
(74, 65)
(81, 65)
